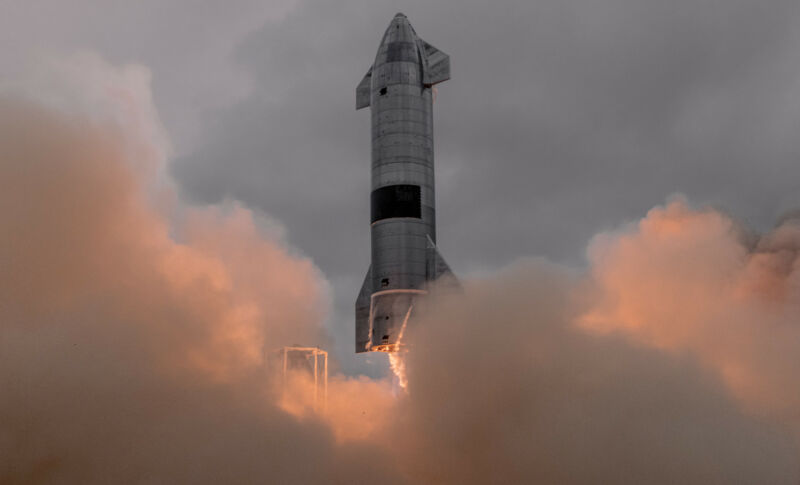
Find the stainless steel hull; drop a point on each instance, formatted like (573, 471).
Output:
(398, 90)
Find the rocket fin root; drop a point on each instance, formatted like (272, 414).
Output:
(436, 65)
(438, 268)
(363, 90)
(362, 313)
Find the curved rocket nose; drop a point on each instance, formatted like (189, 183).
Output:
(399, 30)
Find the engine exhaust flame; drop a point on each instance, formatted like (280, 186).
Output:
(397, 362)
(397, 355)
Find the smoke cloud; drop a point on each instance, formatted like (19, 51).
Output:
(504, 388)
(133, 330)
(131, 345)
(696, 281)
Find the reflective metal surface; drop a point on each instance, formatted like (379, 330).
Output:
(398, 90)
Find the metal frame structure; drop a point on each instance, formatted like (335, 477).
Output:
(318, 355)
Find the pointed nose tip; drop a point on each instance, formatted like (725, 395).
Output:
(399, 29)
(400, 14)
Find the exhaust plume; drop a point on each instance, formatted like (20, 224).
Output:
(687, 280)
(505, 388)
(131, 344)
(132, 332)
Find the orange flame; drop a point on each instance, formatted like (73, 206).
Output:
(398, 364)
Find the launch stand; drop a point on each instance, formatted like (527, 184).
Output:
(303, 362)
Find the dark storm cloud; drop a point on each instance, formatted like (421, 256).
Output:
(562, 118)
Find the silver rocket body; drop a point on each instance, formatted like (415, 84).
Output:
(398, 91)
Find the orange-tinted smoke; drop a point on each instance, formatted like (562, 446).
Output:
(504, 388)
(694, 280)
(132, 336)
(131, 348)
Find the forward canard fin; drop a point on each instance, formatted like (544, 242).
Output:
(363, 90)
(436, 66)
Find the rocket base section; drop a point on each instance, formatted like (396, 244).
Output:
(382, 317)
(390, 311)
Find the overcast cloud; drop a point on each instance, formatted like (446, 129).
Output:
(563, 117)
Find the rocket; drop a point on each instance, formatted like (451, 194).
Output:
(398, 89)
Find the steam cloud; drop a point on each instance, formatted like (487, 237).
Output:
(504, 388)
(131, 347)
(695, 281)
(133, 330)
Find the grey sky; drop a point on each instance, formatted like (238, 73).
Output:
(562, 118)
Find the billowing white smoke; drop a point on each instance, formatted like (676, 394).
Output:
(694, 281)
(131, 346)
(504, 387)
(132, 329)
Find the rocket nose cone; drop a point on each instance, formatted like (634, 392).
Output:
(399, 30)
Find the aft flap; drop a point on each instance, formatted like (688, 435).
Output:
(362, 313)
(437, 267)
(363, 90)
(437, 65)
